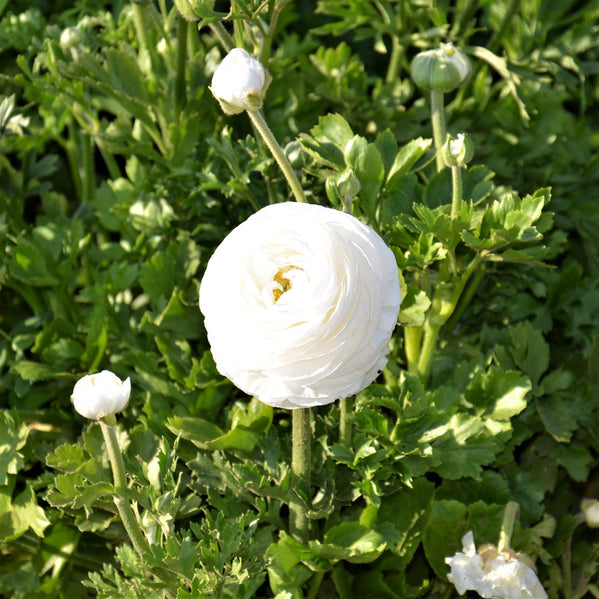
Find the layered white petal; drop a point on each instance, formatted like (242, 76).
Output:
(299, 304)
(501, 577)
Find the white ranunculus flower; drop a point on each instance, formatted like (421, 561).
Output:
(101, 394)
(299, 303)
(239, 82)
(494, 576)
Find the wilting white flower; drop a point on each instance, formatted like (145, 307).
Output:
(299, 303)
(239, 82)
(101, 394)
(493, 575)
(590, 509)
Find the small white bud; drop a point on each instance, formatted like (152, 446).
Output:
(239, 82)
(101, 394)
(590, 509)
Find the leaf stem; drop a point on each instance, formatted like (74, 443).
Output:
(180, 90)
(223, 36)
(438, 124)
(427, 352)
(120, 489)
(456, 191)
(412, 340)
(276, 150)
(507, 526)
(345, 428)
(301, 454)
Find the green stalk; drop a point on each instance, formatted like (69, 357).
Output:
(222, 35)
(276, 150)
(89, 183)
(496, 38)
(438, 123)
(266, 46)
(180, 83)
(429, 344)
(299, 524)
(412, 340)
(345, 428)
(507, 526)
(120, 489)
(456, 191)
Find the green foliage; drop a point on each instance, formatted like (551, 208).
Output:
(120, 176)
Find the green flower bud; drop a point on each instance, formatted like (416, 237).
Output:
(458, 151)
(348, 185)
(443, 69)
(194, 10)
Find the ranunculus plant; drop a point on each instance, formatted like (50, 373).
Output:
(300, 302)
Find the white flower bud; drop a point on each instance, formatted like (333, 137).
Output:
(239, 82)
(590, 509)
(101, 394)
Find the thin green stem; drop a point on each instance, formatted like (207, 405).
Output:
(496, 38)
(120, 489)
(427, 352)
(89, 183)
(222, 35)
(315, 585)
(345, 428)
(456, 191)
(276, 150)
(266, 46)
(510, 514)
(412, 340)
(397, 52)
(466, 17)
(301, 458)
(438, 124)
(180, 90)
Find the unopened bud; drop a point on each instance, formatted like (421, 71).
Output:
(102, 394)
(443, 69)
(590, 509)
(239, 82)
(458, 151)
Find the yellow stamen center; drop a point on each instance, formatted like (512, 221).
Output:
(284, 282)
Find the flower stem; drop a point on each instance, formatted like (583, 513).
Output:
(427, 352)
(345, 428)
(438, 123)
(412, 340)
(120, 488)
(456, 191)
(276, 150)
(180, 87)
(507, 526)
(223, 36)
(301, 440)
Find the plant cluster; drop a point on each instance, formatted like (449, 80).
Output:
(120, 177)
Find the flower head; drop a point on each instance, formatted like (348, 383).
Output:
(299, 304)
(457, 151)
(441, 69)
(101, 394)
(239, 82)
(492, 574)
